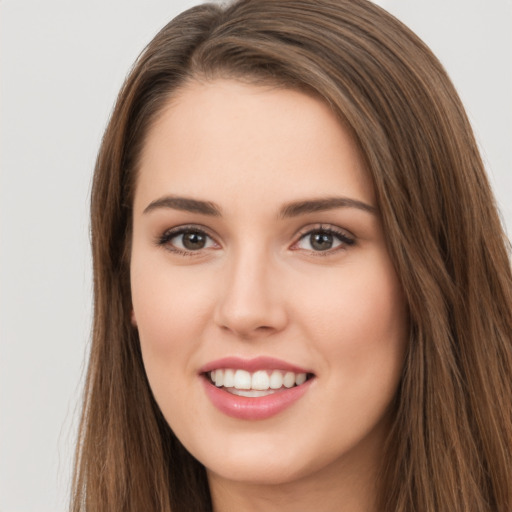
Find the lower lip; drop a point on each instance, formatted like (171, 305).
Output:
(254, 408)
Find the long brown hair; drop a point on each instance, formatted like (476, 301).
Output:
(450, 447)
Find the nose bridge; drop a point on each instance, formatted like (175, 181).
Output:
(250, 302)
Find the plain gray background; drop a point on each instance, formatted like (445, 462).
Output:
(62, 64)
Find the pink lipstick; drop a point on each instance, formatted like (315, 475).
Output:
(254, 389)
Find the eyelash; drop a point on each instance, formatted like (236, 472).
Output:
(165, 238)
(342, 236)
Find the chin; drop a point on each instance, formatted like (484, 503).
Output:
(270, 457)
(257, 471)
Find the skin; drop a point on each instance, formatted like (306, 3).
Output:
(260, 288)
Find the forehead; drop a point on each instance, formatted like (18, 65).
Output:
(227, 138)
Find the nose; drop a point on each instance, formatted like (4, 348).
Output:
(251, 301)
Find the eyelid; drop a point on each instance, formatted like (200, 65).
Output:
(164, 239)
(347, 239)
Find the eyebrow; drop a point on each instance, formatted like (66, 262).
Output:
(297, 208)
(293, 209)
(185, 204)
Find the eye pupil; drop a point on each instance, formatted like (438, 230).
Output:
(194, 240)
(321, 241)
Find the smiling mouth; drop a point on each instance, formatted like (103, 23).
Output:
(256, 384)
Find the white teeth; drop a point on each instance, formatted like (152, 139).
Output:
(229, 378)
(299, 379)
(276, 380)
(242, 379)
(261, 380)
(289, 380)
(251, 393)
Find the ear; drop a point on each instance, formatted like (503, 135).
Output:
(132, 318)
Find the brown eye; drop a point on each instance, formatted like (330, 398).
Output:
(324, 240)
(321, 241)
(186, 240)
(193, 240)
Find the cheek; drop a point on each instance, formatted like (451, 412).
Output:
(170, 309)
(168, 306)
(360, 330)
(358, 319)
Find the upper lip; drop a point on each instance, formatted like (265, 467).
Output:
(252, 365)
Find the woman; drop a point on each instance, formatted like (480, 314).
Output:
(302, 287)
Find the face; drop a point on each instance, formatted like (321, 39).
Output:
(271, 321)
